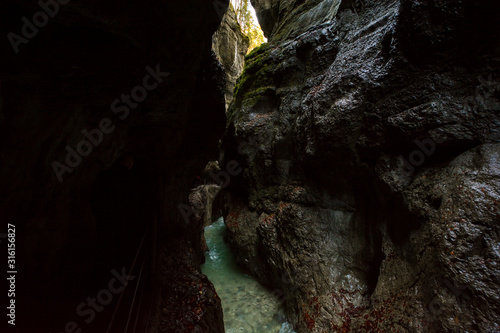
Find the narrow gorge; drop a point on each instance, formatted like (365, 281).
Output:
(157, 175)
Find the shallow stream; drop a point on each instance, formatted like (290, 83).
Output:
(248, 306)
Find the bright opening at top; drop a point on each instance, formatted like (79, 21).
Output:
(247, 18)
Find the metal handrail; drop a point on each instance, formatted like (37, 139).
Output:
(123, 291)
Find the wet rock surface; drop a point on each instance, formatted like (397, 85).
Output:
(189, 302)
(370, 152)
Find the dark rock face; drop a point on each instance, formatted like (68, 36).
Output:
(186, 303)
(267, 13)
(370, 146)
(287, 19)
(64, 79)
(230, 45)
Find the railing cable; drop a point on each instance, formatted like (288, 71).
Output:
(123, 291)
(135, 294)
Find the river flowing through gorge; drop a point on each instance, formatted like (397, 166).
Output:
(248, 306)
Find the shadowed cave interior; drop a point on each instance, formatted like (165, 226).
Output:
(158, 175)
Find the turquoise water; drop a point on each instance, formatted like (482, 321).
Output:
(248, 307)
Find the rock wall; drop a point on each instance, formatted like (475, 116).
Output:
(281, 20)
(370, 148)
(140, 78)
(231, 46)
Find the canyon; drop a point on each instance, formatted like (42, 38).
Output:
(356, 153)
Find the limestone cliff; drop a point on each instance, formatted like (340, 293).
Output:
(230, 45)
(369, 136)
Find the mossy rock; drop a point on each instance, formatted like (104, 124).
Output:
(258, 50)
(258, 73)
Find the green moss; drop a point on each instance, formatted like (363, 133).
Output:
(258, 72)
(258, 50)
(256, 78)
(252, 97)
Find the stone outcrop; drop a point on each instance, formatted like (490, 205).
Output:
(287, 19)
(230, 45)
(370, 148)
(211, 193)
(65, 78)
